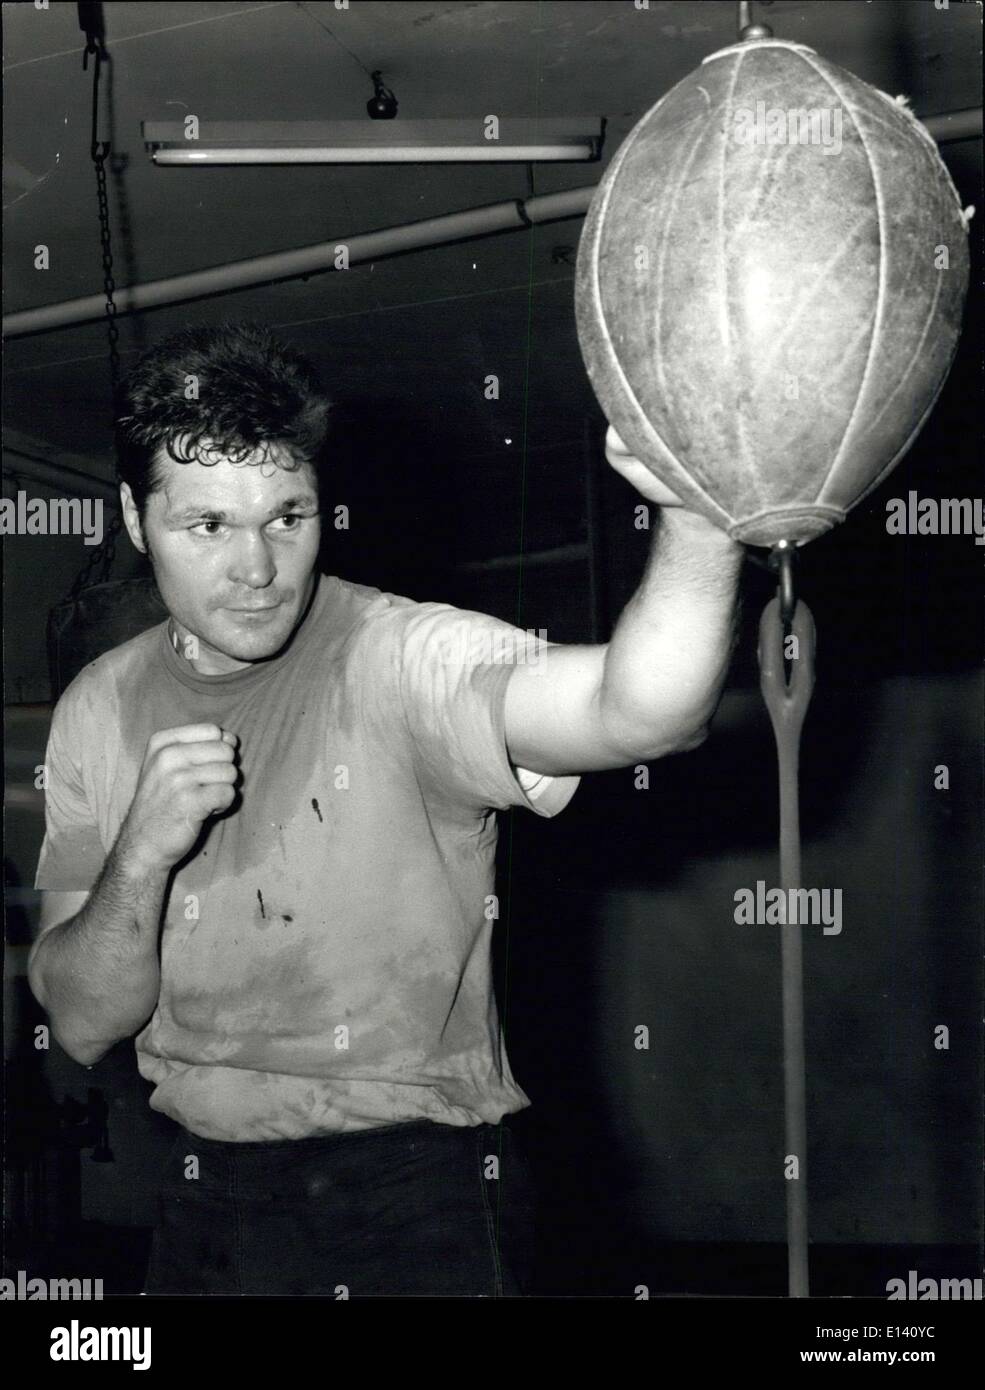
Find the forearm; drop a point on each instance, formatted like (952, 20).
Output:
(98, 974)
(667, 659)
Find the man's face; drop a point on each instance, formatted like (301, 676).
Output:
(233, 548)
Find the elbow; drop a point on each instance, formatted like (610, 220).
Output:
(693, 723)
(86, 1056)
(35, 979)
(638, 748)
(678, 741)
(688, 741)
(85, 1052)
(679, 726)
(80, 1049)
(635, 749)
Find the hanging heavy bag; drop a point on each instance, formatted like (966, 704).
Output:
(95, 620)
(769, 289)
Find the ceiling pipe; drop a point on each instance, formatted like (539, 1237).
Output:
(955, 125)
(58, 476)
(307, 260)
(507, 216)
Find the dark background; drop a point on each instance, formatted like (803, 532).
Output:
(662, 1166)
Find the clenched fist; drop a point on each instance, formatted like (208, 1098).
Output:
(187, 775)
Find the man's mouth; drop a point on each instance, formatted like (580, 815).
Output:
(254, 608)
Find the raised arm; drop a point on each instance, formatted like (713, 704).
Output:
(652, 689)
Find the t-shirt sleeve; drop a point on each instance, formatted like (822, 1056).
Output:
(72, 854)
(454, 667)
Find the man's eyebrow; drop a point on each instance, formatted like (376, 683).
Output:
(197, 514)
(296, 503)
(302, 502)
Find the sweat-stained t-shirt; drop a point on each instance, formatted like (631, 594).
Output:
(325, 954)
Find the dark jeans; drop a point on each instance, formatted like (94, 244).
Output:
(405, 1209)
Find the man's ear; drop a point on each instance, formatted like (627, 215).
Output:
(131, 518)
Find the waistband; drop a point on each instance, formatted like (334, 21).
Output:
(345, 1139)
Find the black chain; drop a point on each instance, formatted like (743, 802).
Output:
(109, 285)
(102, 557)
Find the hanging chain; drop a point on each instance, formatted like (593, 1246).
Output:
(109, 285)
(102, 557)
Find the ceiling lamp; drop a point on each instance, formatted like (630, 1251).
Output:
(476, 139)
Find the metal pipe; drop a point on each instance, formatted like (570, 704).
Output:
(366, 246)
(307, 260)
(955, 125)
(58, 476)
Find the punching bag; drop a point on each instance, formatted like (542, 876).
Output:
(769, 289)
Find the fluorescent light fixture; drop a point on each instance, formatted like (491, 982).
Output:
(478, 139)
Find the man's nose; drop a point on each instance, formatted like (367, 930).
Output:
(252, 561)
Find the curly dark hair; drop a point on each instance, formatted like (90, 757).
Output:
(250, 392)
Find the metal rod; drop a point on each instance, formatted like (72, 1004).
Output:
(955, 125)
(749, 27)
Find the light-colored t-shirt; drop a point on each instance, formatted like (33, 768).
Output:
(325, 953)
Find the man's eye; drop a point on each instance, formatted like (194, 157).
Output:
(291, 520)
(200, 524)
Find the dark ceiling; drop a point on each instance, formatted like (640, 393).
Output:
(424, 327)
(407, 340)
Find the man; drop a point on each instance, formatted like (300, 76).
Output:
(270, 836)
